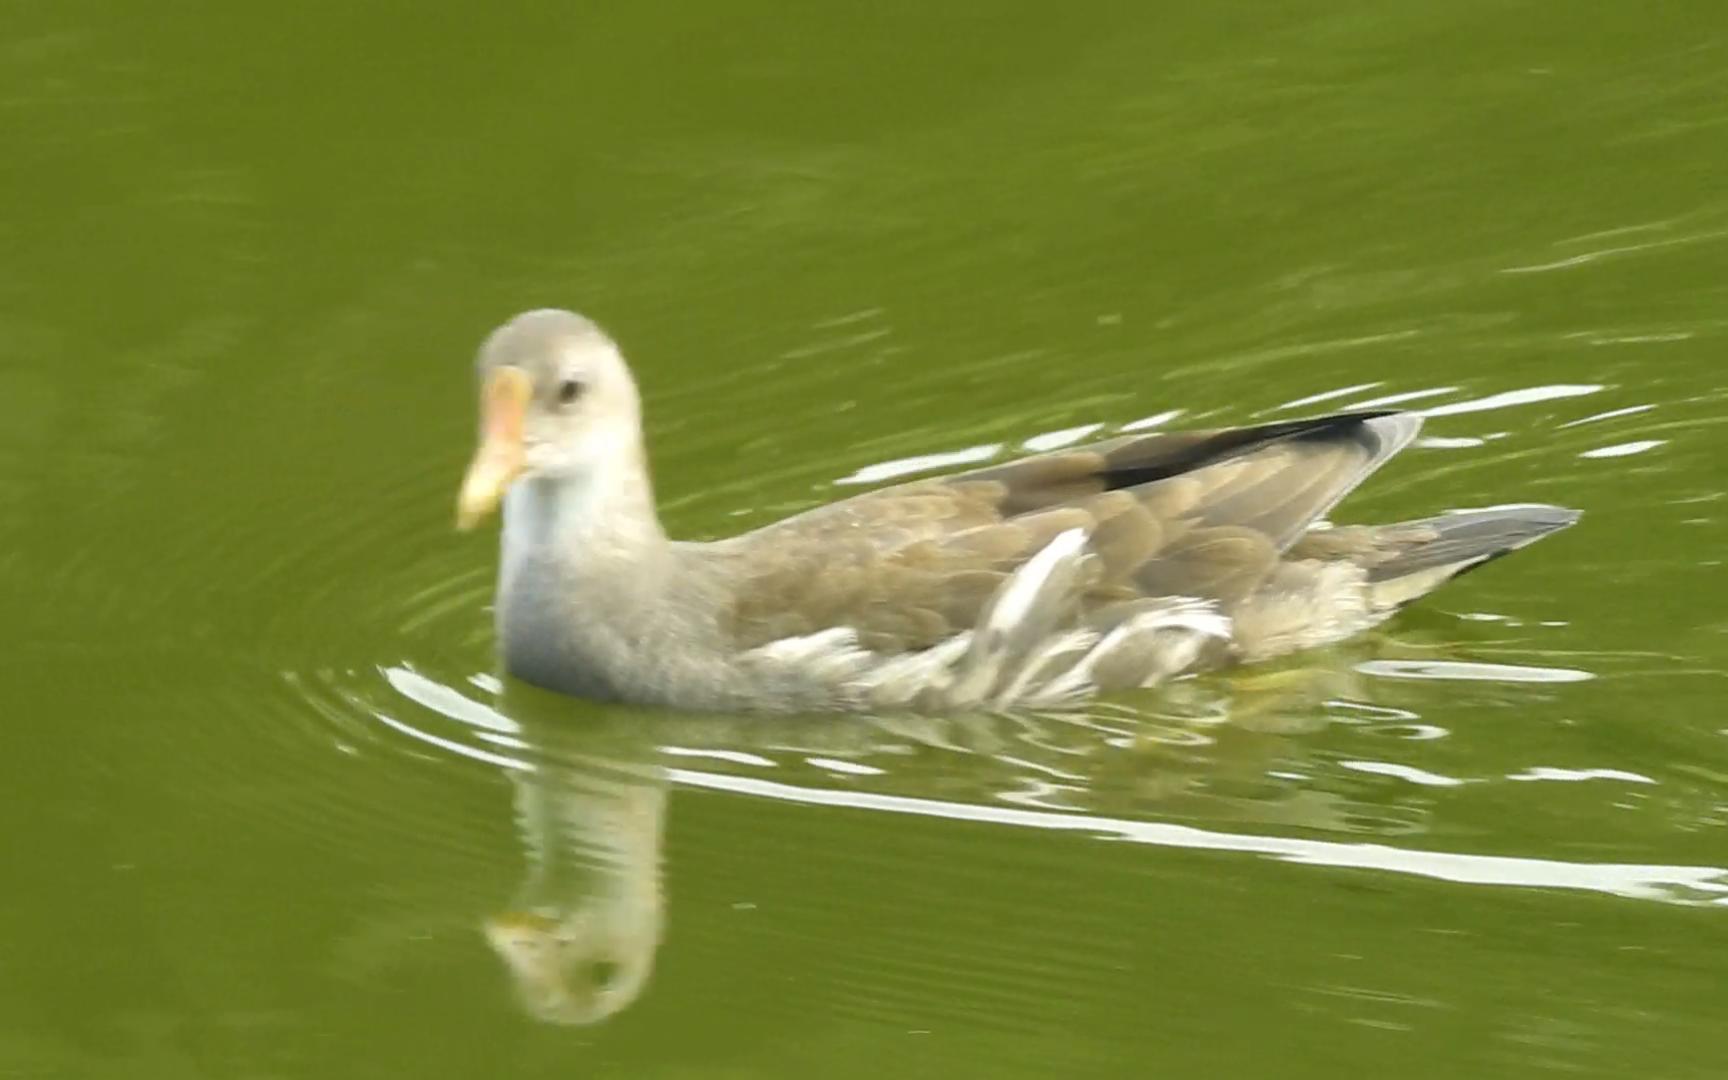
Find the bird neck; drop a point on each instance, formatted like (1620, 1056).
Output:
(588, 520)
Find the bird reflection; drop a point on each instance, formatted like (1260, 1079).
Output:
(580, 935)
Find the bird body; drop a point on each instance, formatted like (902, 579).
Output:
(1032, 584)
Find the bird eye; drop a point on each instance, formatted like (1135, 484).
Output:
(568, 391)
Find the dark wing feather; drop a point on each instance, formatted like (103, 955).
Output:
(1205, 514)
(1275, 477)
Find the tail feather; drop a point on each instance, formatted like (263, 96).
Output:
(1441, 548)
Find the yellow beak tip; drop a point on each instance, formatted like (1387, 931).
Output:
(470, 512)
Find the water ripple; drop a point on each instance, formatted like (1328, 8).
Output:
(1470, 671)
(1707, 885)
(1018, 788)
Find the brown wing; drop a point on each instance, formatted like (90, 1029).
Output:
(1204, 514)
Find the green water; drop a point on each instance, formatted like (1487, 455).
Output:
(268, 817)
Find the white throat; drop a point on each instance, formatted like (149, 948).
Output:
(545, 514)
(581, 518)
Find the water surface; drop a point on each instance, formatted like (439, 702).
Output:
(272, 815)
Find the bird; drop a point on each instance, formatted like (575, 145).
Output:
(1032, 584)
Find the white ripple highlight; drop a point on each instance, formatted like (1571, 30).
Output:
(1056, 440)
(1509, 398)
(888, 470)
(1696, 885)
(1611, 414)
(1624, 449)
(1464, 671)
(1548, 772)
(1405, 772)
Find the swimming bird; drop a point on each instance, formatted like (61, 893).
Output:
(1032, 584)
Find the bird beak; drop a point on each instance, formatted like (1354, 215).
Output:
(499, 460)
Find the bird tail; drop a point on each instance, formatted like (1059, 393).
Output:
(1444, 547)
